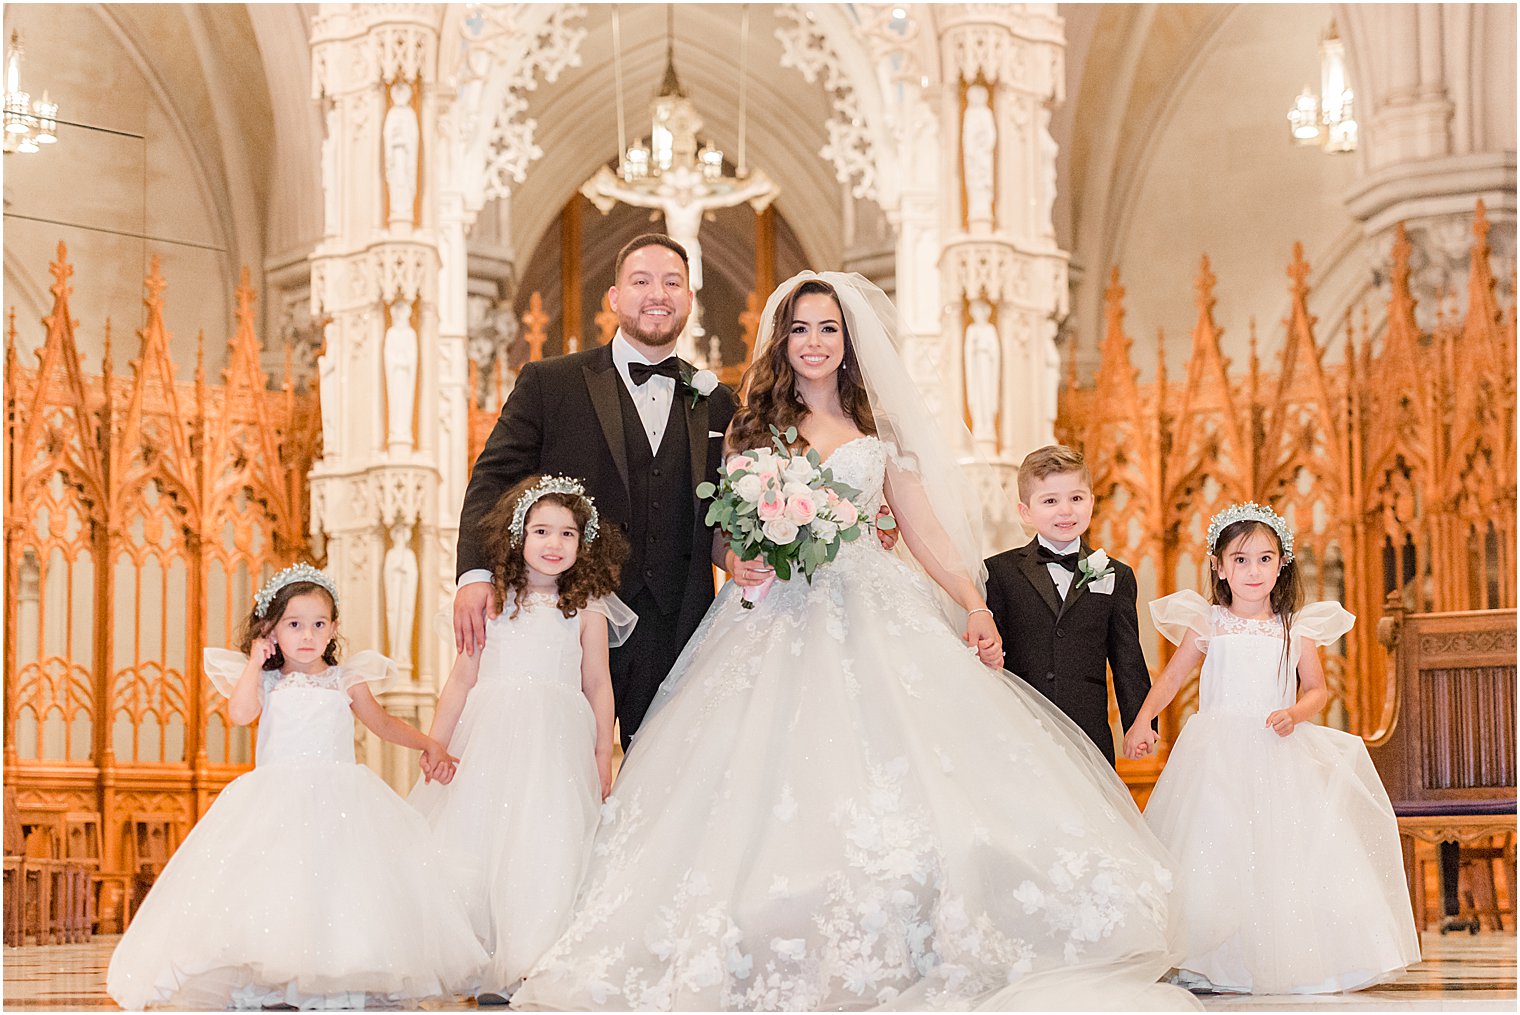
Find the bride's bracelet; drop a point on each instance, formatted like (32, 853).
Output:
(979, 609)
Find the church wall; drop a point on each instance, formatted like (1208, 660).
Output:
(1220, 178)
(142, 177)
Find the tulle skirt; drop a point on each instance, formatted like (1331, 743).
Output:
(834, 805)
(1290, 876)
(515, 825)
(309, 884)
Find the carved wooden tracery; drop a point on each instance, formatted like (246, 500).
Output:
(1395, 466)
(140, 513)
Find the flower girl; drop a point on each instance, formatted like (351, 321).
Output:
(531, 718)
(1289, 871)
(308, 883)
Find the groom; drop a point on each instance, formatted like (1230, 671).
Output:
(640, 428)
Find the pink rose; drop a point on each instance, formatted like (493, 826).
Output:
(739, 463)
(801, 508)
(845, 513)
(771, 507)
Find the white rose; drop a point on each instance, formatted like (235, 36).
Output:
(703, 382)
(793, 488)
(824, 529)
(799, 469)
(780, 531)
(750, 488)
(1097, 560)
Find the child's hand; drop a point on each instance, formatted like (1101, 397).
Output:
(1140, 741)
(444, 773)
(604, 769)
(982, 634)
(260, 651)
(434, 755)
(1281, 722)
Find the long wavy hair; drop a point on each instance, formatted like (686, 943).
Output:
(769, 387)
(595, 571)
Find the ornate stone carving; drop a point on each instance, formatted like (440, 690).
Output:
(851, 147)
(509, 48)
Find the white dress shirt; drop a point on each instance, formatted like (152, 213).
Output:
(1058, 574)
(652, 400)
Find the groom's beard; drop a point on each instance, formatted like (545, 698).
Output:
(665, 336)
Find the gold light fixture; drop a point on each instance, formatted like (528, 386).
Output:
(28, 124)
(1326, 119)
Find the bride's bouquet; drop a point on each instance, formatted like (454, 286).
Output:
(784, 507)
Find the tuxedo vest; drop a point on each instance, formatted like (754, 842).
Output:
(661, 511)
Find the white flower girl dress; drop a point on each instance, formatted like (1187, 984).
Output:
(309, 882)
(515, 825)
(1290, 877)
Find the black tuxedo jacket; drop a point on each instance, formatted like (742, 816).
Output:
(564, 417)
(1064, 649)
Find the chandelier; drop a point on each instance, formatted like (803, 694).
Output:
(28, 124)
(1326, 119)
(674, 122)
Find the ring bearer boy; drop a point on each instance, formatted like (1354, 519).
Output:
(1066, 611)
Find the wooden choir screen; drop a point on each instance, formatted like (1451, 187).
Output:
(1395, 466)
(140, 515)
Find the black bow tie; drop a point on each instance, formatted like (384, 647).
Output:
(640, 373)
(1066, 560)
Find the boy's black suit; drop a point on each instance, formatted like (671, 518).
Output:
(1064, 649)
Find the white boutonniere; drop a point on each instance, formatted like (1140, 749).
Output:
(1097, 573)
(701, 384)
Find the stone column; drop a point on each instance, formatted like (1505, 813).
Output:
(374, 69)
(1008, 58)
(1431, 144)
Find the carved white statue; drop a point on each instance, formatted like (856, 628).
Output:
(400, 355)
(401, 136)
(983, 364)
(327, 391)
(399, 573)
(978, 146)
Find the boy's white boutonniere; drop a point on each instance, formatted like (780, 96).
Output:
(1097, 573)
(700, 384)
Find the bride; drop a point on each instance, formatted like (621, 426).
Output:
(834, 803)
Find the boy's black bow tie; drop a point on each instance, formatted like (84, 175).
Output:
(1066, 560)
(640, 373)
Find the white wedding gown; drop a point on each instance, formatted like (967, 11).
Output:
(833, 804)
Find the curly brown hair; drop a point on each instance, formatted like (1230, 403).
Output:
(596, 569)
(255, 626)
(769, 387)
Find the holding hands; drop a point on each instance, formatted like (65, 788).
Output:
(438, 765)
(982, 635)
(1140, 741)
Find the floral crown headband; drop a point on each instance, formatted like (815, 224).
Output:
(553, 484)
(1251, 511)
(292, 574)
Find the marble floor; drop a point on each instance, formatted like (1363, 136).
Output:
(1459, 973)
